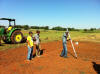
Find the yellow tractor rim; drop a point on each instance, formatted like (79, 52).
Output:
(18, 38)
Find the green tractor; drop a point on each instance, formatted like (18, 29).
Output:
(11, 34)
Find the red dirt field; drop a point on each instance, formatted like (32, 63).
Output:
(13, 61)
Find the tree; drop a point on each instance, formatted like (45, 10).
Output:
(59, 28)
(85, 30)
(26, 27)
(92, 29)
(46, 27)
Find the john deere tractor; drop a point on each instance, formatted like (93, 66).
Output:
(11, 34)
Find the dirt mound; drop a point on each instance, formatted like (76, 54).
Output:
(12, 61)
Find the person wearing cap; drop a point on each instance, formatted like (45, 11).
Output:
(64, 40)
(37, 43)
(30, 45)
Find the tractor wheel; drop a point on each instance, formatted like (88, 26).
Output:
(16, 37)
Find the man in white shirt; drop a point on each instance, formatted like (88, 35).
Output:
(37, 42)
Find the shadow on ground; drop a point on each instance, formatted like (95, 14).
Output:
(72, 55)
(96, 67)
(41, 53)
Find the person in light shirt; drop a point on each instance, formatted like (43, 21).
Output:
(37, 43)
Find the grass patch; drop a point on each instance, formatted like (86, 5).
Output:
(39, 67)
(65, 71)
(86, 59)
(53, 35)
(82, 72)
(22, 65)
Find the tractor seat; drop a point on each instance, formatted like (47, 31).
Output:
(9, 28)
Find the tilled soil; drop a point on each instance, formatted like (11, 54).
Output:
(12, 61)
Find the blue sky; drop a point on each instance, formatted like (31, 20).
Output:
(65, 13)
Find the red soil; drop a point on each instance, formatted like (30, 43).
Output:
(12, 61)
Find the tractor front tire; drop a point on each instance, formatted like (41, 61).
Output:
(16, 37)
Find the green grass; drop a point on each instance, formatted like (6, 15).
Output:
(82, 72)
(39, 67)
(52, 35)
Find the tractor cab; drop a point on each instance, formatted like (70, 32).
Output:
(10, 26)
(11, 34)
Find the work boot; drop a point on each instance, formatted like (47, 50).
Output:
(61, 56)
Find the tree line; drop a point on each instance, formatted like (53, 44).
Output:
(58, 28)
(26, 27)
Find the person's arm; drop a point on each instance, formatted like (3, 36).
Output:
(34, 39)
(68, 37)
(39, 38)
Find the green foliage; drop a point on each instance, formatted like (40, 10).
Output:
(34, 27)
(64, 29)
(59, 28)
(26, 27)
(38, 27)
(2, 26)
(82, 72)
(92, 30)
(19, 26)
(73, 29)
(85, 30)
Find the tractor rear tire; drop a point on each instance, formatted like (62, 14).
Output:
(16, 37)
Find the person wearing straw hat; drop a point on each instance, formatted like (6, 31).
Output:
(64, 40)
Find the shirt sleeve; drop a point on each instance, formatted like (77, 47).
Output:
(68, 37)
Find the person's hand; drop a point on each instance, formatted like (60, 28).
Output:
(30, 46)
(34, 39)
(35, 43)
(68, 39)
(40, 40)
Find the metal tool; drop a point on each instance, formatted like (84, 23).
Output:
(72, 43)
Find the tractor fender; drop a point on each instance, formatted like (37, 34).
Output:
(8, 36)
(14, 29)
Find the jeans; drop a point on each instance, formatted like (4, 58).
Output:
(30, 53)
(64, 51)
